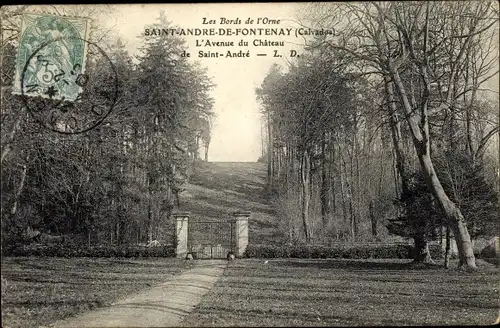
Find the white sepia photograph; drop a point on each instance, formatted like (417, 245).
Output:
(280, 164)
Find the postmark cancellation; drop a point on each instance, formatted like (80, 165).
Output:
(51, 56)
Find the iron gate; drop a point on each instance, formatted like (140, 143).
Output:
(211, 239)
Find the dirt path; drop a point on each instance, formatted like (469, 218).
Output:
(161, 306)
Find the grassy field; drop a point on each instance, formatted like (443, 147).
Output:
(347, 293)
(282, 292)
(39, 291)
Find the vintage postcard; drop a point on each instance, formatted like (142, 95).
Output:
(250, 164)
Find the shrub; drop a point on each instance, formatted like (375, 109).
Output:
(95, 251)
(436, 252)
(335, 251)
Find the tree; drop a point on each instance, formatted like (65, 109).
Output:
(310, 110)
(422, 218)
(118, 182)
(174, 102)
(414, 47)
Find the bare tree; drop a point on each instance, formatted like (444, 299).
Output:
(406, 43)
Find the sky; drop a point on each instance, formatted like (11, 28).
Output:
(236, 135)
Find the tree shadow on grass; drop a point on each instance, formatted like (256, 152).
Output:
(351, 264)
(33, 303)
(82, 280)
(305, 318)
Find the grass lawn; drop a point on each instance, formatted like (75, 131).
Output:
(40, 291)
(339, 292)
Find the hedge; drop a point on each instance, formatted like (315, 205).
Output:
(400, 251)
(96, 251)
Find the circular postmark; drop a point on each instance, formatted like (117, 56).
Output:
(66, 93)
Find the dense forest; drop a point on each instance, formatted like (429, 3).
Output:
(387, 126)
(118, 182)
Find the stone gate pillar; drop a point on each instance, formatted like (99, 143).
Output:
(181, 233)
(241, 232)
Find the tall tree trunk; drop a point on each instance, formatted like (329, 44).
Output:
(270, 176)
(331, 178)
(447, 249)
(150, 219)
(207, 145)
(10, 138)
(421, 142)
(452, 212)
(305, 181)
(342, 189)
(356, 187)
(196, 152)
(287, 166)
(325, 185)
(395, 126)
(279, 151)
(351, 194)
(373, 219)
(354, 226)
(263, 145)
(470, 147)
(20, 187)
(119, 239)
(112, 224)
(396, 175)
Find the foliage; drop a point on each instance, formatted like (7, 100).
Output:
(346, 251)
(416, 77)
(427, 63)
(321, 132)
(118, 183)
(95, 251)
(420, 217)
(467, 186)
(465, 183)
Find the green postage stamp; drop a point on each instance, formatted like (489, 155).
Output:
(51, 56)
